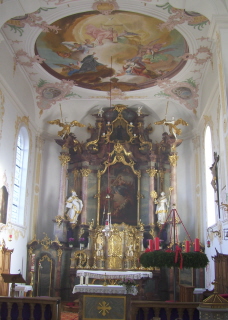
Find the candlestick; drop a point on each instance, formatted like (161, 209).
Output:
(197, 244)
(156, 242)
(187, 246)
(33, 263)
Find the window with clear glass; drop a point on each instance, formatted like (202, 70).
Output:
(210, 192)
(20, 177)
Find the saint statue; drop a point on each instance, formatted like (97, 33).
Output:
(75, 205)
(162, 208)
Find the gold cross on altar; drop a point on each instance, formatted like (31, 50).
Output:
(104, 307)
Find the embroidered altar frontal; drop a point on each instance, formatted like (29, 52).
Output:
(104, 307)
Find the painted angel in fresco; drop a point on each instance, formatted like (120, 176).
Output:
(172, 124)
(66, 126)
(75, 46)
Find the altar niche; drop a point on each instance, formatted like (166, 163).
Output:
(123, 195)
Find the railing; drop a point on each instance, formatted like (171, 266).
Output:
(147, 310)
(38, 308)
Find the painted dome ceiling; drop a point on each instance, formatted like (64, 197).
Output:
(90, 48)
(90, 54)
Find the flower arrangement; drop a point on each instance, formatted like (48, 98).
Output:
(71, 240)
(128, 283)
(81, 240)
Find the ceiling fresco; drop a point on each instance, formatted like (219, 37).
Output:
(96, 53)
(127, 47)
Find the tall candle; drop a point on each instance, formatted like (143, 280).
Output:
(156, 242)
(187, 246)
(33, 263)
(197, 244)
(151, 245)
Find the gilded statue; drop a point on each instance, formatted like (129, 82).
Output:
(66, 126)
(172, 124)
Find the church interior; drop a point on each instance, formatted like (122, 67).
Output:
(114, 154)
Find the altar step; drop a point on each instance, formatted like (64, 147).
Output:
(71, 306)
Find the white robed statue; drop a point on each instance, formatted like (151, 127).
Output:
(75, 205)
(162, 208)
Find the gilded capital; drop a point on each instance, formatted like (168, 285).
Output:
(85, 172)
(173, 159)
(152, 172)
(64, 158)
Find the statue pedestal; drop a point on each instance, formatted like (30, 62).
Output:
(60, 231)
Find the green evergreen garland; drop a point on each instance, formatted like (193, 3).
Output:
(161, 259)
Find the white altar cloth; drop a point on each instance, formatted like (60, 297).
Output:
(109, 289)
(103, 274)
(22, 288)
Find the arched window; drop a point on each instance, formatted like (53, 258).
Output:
(210, 193)
(20, 178)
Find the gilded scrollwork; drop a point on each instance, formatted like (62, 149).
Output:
(153, 194)
(119, 153)
(45, 242)
(173, 159)
(59, 254)
(94, 143)
(144, 143)
(64, 158)
(59, 220)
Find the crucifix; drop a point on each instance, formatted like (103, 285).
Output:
(214, 181)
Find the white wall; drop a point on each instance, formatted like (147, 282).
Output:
(10, 125)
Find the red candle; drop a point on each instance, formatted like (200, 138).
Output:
(151, 245)
(187, 246)
(197, 244)
(157, 242)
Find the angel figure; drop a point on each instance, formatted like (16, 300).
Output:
(66, 126)
(172, 124)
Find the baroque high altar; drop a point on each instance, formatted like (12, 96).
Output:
(117, 177)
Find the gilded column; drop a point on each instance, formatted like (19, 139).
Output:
(85, 173)
(152, 172)
(173, 162)
(64, 159)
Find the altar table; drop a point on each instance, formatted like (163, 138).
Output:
(22, 289)
(103, 274)
(108, 289)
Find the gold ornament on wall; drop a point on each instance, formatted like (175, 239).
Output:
(173, 159)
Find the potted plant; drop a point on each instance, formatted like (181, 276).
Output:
(129, 284)
(71, 242)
